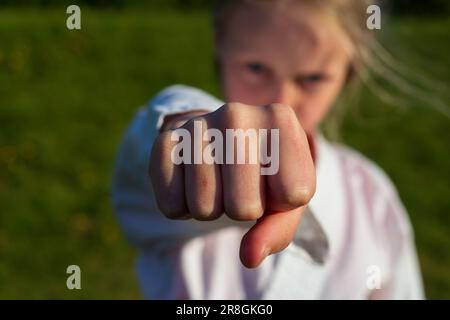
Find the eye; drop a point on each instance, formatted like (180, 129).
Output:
(256, 67)
(315, 78)
(311, 81)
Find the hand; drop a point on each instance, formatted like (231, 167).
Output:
(205, 191)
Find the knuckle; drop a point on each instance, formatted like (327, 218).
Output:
(189, 125)
(169, 202)
(232, 112)
(300, 196)
(204, 212)
(280, 113)
(233, 107)
(163, 142)
(171, 209)
(249, 212)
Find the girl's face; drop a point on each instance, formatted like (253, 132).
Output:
(282, 56)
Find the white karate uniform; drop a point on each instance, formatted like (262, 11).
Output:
(371, 245)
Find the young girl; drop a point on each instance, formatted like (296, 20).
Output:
(282, 64)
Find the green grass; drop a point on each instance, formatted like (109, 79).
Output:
(67, 96)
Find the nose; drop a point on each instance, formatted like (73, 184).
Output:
(286, 93)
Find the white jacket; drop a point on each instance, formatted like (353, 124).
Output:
(371, 253)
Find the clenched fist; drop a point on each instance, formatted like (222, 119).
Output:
(203, 190)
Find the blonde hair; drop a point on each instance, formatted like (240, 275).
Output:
(369, 60)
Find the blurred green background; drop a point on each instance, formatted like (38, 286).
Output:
(67, 96)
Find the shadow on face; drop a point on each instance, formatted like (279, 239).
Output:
(287, 55)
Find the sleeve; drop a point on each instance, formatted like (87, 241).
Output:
(392, 232)
(181, 99)
(132, 196)
(404, 281)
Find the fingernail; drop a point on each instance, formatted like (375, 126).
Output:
(266, 252)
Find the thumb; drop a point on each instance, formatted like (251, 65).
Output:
(272, 233)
